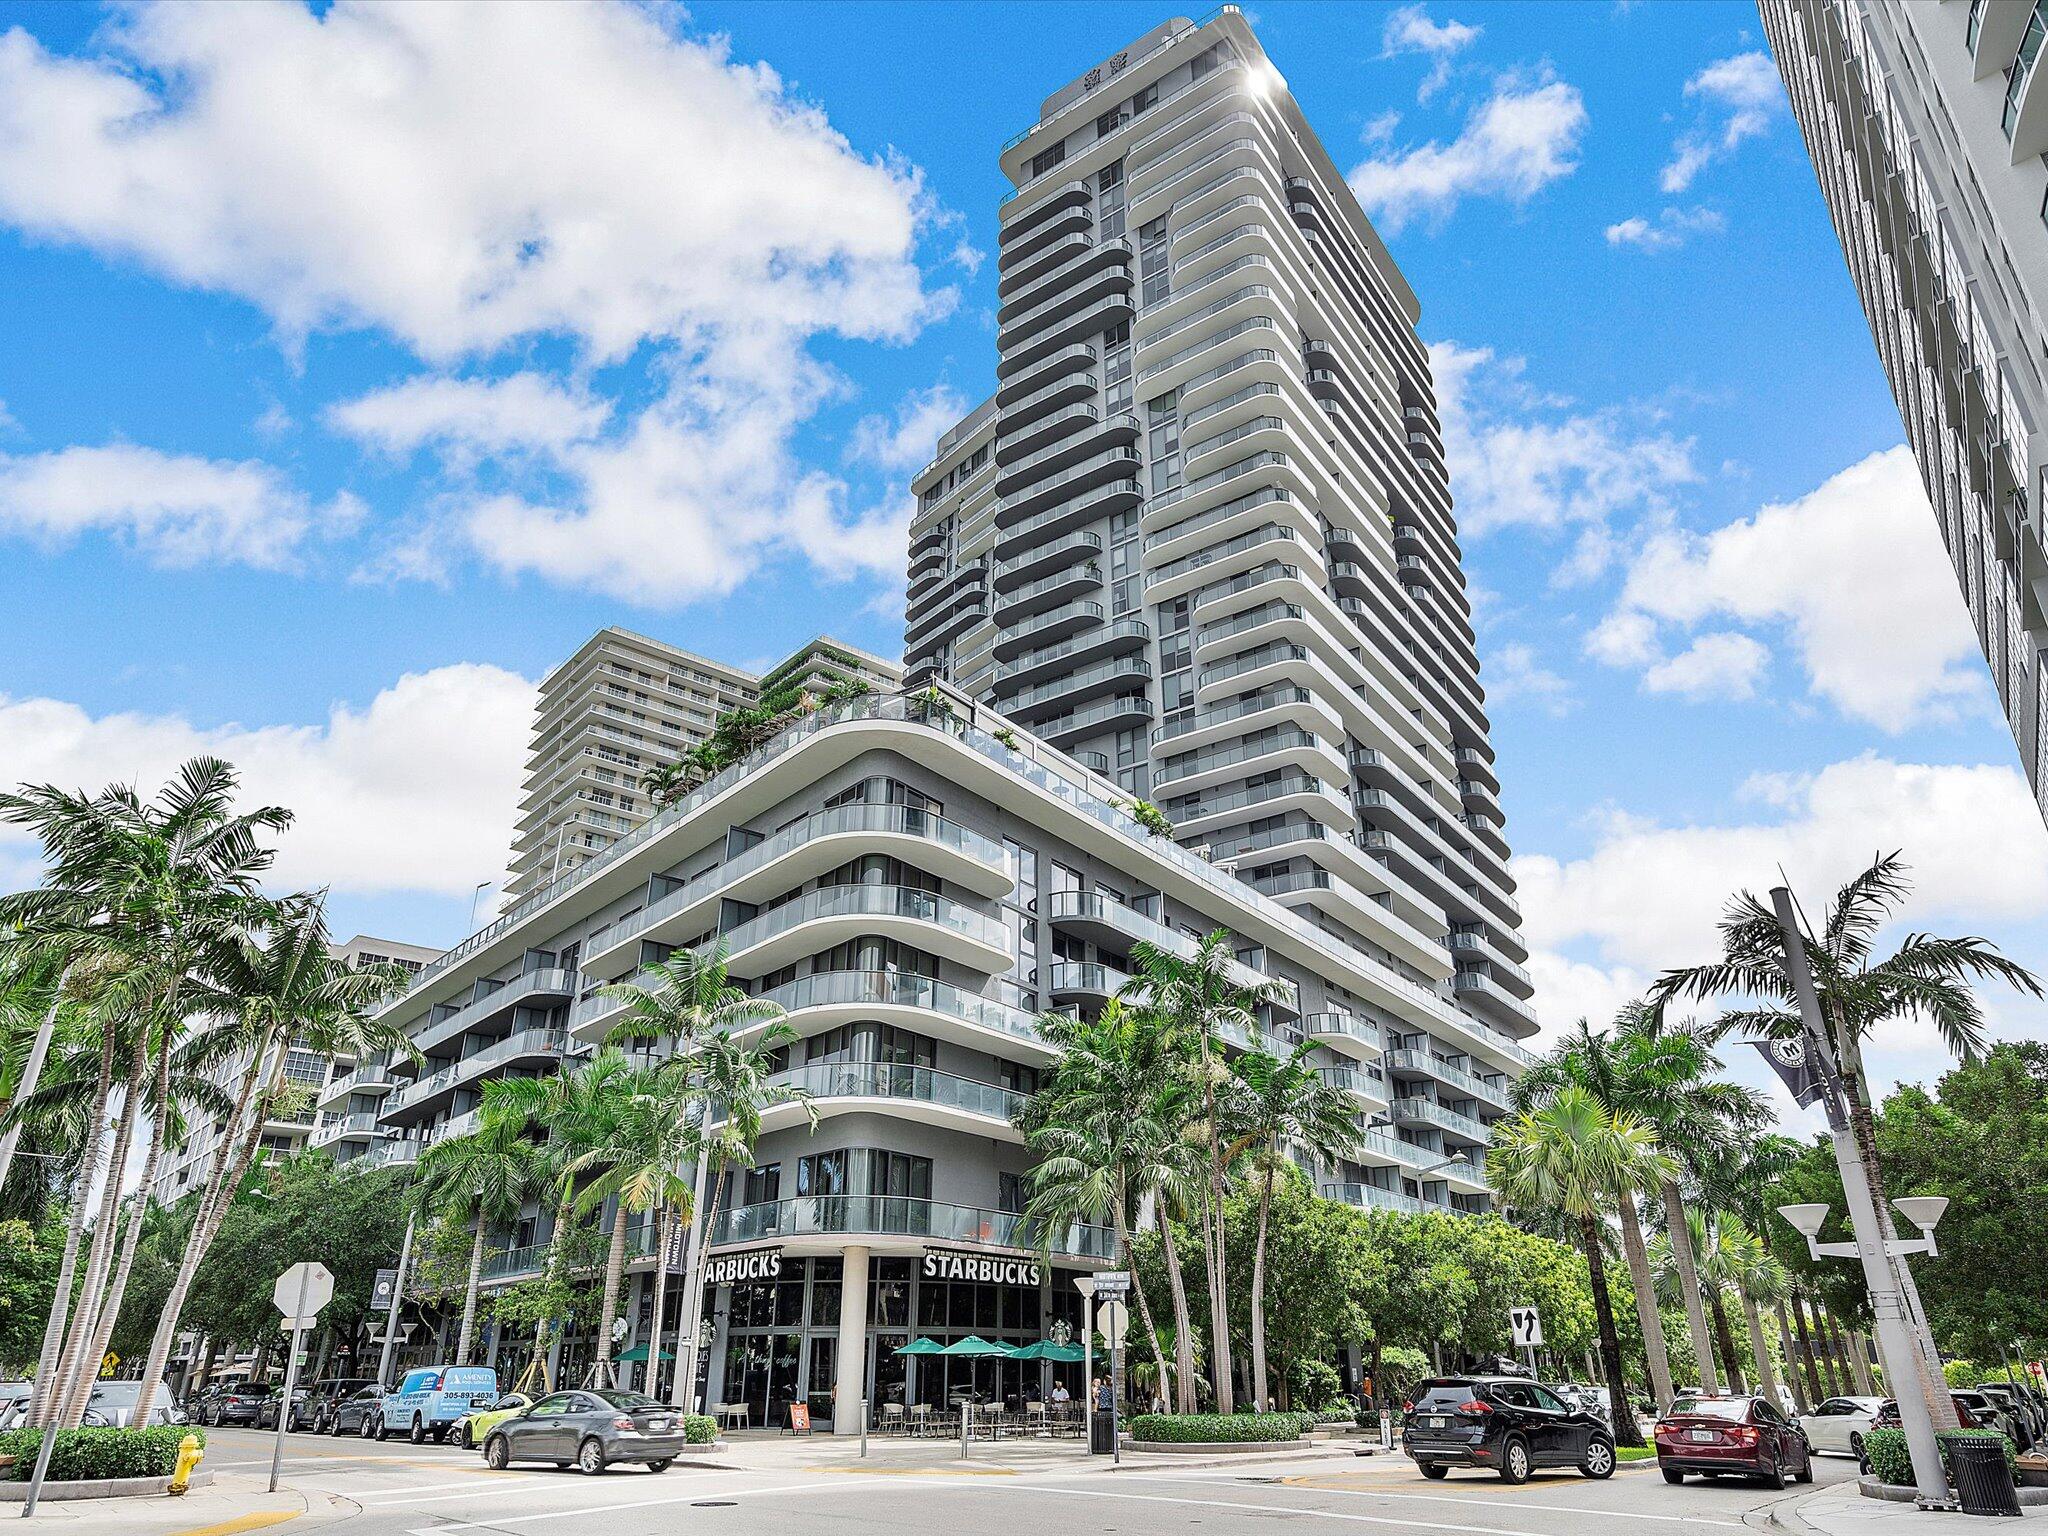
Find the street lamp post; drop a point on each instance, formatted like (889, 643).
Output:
(1874, 1246)
(1085, 1284)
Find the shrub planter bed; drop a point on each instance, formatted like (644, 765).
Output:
(1891, 1465)
(98, 1463)
(1177, 1433)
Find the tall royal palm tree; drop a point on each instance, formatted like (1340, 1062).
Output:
(1109, 1139)
(574, 1111)
(154, 887)
(479, 1180)
(1569, 1156)
(1927, 978)
(1283, 1103)
(264, 993)
(1199, 1001)
(636, 1161)
(685, 1001)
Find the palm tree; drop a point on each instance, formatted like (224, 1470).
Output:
(267, 993)
(1569, 1156)
(686, 1000)
(1108, 1140)
(635, 1160)
(480, 1179)
(574, 1111)
(1928, 978)
(1665, 1076)
(1761, 1281)
(1283, 1102)
(1197, 999)
(156, 887)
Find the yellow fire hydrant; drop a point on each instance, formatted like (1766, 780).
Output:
(188, 1462)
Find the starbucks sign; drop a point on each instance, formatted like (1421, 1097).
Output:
(739, 1268)
(988, 1268)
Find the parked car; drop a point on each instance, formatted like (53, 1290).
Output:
(1504, 1424)
(1837, 1426)
(114, 1401)
(427, 1402)
(324, 1396)
(1722, 1436)
(592, 1429)
(237, 1404)
(2008, 1398)
(472, 1429)
(14, 1396)
(357, 1414)
(1973, 1411)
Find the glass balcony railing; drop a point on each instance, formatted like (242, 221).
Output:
(891, 1080)
(900, 989)
(1372, 1197)
(902, 1215)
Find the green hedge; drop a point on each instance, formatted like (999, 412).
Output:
(1209, 1428)
(699, 1428)
(83, 1455)
(1891, 1462)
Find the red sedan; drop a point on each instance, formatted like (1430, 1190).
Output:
(1732, 1437)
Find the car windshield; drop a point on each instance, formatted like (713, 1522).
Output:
(1713, 1407)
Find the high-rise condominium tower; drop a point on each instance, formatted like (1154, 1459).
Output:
(624, 704)
(1927, 124)
(1201, 536)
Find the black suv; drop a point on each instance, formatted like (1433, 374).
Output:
(1504, 1423)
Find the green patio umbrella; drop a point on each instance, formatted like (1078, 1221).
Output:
(638, 1354)
(1048, 1349)
(974, 1347)
(921, 1347)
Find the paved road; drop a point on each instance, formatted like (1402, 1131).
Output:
(403, 1490)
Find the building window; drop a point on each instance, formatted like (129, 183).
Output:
(2023, 65)
(1970, 30)
(1010, 1193)
(1046, 159)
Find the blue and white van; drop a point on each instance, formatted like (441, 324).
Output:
(429, 1400)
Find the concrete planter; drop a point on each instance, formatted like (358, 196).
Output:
(1902, 1493)
(100, 1488)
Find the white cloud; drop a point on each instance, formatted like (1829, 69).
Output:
(1647, 896)
(415, 792)
(907, 440)
(1513, 145)
(1736, 98)
(1672, 228)
(1853, 572)
(1522, 458)
(1409, 30)
(8, 425)
(1515, 674)
(459, 175)
(466, 417)
(175, 509)
(1722, 665)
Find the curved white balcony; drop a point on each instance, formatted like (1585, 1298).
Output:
(1346, 1032)
(914, 1221)
(868, 1087)
(973, 936)
(802, 852)
(1097, 917)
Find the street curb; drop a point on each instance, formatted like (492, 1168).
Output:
(98, 1488)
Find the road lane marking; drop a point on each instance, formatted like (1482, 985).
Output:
(814, 1485)
(470, 1490)
(1497, 1502)
(1286, 1509)
(255, 1522)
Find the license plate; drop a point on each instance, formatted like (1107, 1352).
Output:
(1704, 1434)
(657, 1423)
(1435, 1421)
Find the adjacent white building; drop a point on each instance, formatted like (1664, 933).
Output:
(1928, 123)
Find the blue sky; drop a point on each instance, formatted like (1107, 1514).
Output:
(363, 362)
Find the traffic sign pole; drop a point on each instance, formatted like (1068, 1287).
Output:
(291, 1372)
(391, 1315)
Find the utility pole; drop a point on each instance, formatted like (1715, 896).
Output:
(391, 1316)
(1872, 1229)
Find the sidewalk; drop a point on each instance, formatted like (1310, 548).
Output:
(1842, 1511)
(231, 1504)
(900, 1455)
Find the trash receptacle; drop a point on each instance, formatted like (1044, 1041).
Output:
(1101, 1436)
(1983, 1482)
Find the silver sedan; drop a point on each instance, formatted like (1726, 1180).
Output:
(591, 1429)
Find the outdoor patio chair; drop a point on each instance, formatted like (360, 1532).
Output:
(920, 1418)
(892, 1419)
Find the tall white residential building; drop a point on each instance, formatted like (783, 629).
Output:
(1201, 536)
(624, 704)
(295, 1123)
(1927, 123)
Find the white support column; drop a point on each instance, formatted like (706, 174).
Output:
(853, 1342)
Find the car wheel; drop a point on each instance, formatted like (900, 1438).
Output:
(1598, 1461)
(662, 1465)
(1672, 1475)
(590, 1457)
(1774, 1474)
(382, 1431)
(1432, 1471)
(463, 1437)
(1856, 1446)
(1514, 1460)
(497, 1454)
(418, 1433)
